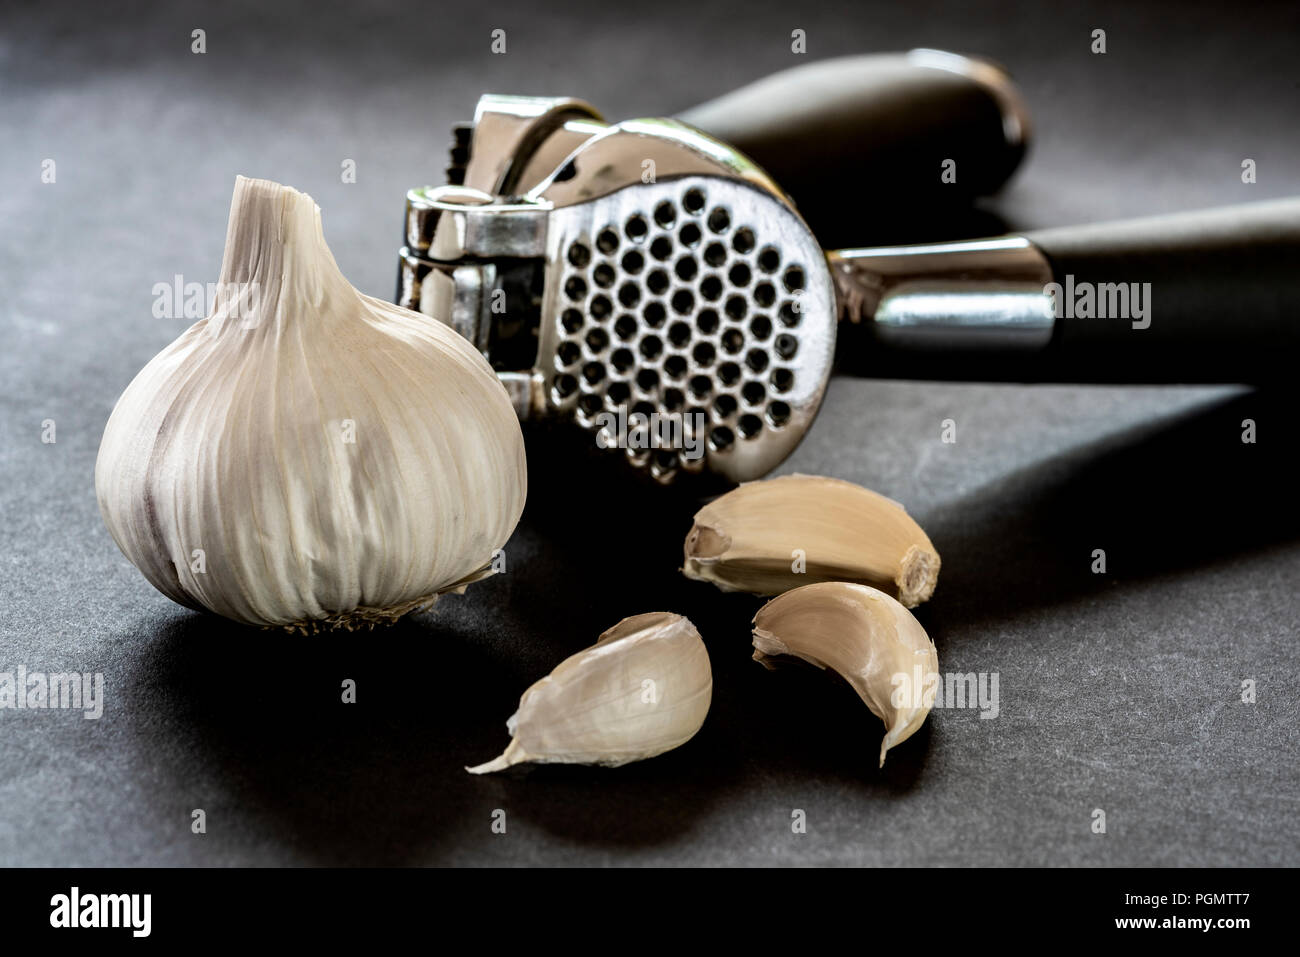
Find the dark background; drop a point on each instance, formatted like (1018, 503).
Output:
(1118, 691)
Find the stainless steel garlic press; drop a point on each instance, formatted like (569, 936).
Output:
(647, 269)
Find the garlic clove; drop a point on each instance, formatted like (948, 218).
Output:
(642, 689)
(309, 457)
(864, 635)
(769, 536)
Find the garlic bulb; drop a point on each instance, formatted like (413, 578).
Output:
(642, 689)
(308, 456)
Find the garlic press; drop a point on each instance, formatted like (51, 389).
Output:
(659, 288)
(651, 272)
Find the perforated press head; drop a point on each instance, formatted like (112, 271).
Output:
(687, 323)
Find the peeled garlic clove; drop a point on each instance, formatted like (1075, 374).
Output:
(308, 456)
(642, 689)
(865, 636)
(769, 536)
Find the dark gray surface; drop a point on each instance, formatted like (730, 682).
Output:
(1118, 692)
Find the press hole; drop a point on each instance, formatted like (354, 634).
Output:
(643, 408)
(683, 301)
(733, 341)
(782, 380)
(579, 255)
(665, 214)
(749, 425)
(679, 333)
(690, 235)
(597, 340)
(593, 372)
(693, 201)
(636, 228)
(754, 393)
(715, 254)
(647, 380)
(701, 386)
(719, 220)
(743, 241)
(711, 288)
(607, 241)
(629, 295)
(565, 386)
(590, 404)
(601, 307)
(633, 262)
(654, 314)
(704, 353)
(737, 307)
(673, 399)
(571, 320)
(675, 366)
(724, 405)
(778, 413)
(657, 282)
(765, 294)
(575, 288)
(769, 260)
(756, 360)
(786, 346)
(707, 322)
(760, 327)
(622, 359)
(686, 269)
(625, 327)
(618, 393)
(603, 275)
(739, 275)
(568, 353)
(794, 279)
(665, 460)
(789, 314)
(729, 373)
(721, 438)
(651, 347)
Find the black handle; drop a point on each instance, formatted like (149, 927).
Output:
(1204, 296)
(860, 142)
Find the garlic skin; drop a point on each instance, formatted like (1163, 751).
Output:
(642, 689)
(772, 535)
(308, 456)
(864, 635)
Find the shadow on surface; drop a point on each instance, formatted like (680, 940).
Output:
(260, 717)
(1158, 499)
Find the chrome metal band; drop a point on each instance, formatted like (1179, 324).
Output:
(979, 294)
